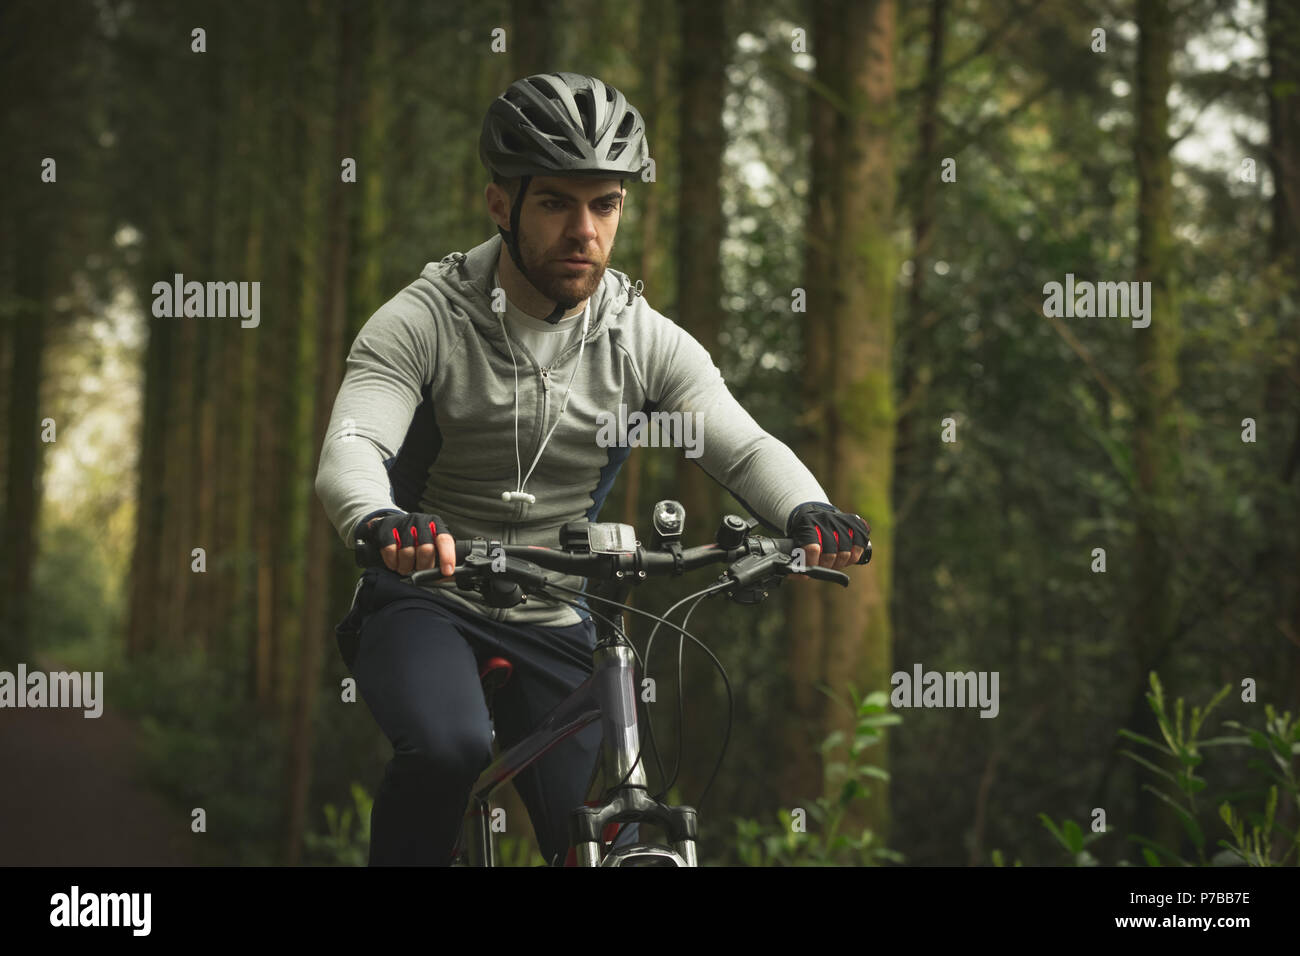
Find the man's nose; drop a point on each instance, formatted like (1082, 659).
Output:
(583, 225)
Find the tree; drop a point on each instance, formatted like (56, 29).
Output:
(844, 637)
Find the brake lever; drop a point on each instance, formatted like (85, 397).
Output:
(818, 573)
(481, 573)
(752, 576)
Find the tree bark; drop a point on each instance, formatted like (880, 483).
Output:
(1155, 613)
(329, 374)
(849, 372)
(702, 82)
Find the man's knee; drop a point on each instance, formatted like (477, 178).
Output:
(446, 755)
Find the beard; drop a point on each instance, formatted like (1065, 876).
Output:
(552, 278)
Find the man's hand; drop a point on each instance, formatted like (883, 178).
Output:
(829, 537)
(414, 542)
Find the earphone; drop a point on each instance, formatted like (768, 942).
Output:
(519, 494)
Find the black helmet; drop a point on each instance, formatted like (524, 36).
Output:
(559, 124)
(562, 124)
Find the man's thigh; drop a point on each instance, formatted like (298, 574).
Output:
(549, 665)
(418, 675)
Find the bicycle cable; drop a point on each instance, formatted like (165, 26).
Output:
(715, 588)
(731, 708)
(622, 633)
(681, 697)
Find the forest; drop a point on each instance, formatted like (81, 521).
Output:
(1015, 279)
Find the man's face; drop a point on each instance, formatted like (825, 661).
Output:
(563, 220)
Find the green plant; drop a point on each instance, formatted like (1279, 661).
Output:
(1070, 835)
(792, 841)
(1180, 749)
(1183, 749)
(1280, 741)
(517, 851)
(339, 845)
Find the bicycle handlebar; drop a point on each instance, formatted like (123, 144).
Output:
(604, 552)
(755, 562)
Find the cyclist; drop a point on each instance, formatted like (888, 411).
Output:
(509, 354)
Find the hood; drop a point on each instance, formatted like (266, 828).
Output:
(470, 274)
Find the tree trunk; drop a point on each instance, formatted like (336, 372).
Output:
(1155, 612)
(843, 638)
(702, 83)
(329, 374)
(24, 456)
(1281, 406)
(914, 368)
(532, 42)
(654, 70)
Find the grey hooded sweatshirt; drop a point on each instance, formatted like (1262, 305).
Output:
(425, 420)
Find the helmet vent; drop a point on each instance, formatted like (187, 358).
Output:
(587, 107)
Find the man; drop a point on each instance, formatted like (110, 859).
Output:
(516, 350)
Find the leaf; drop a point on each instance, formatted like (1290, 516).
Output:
(1150, 766)
(1047, 822)
(1144, 740)
(1198, 717)
(883, 720)
(1223, 741)
(1190, 758)
(1073, 834)
(834, 739)
(861, 743)
(1150, 856)
(1163, 850)
(1189, 823)
(877, 699)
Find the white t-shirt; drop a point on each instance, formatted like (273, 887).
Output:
(540, 337)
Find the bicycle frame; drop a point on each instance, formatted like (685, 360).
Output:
(608, 696)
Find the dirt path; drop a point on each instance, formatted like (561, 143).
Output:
(71, 794)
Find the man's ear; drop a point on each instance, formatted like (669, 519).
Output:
(496, 196)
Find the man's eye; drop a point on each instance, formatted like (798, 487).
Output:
(608, 207)
(553, 204)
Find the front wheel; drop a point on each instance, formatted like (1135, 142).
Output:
(646, 854)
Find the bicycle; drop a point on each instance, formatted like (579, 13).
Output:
(610, 556)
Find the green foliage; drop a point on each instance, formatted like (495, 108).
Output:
(1181, 747)
(1180, 752)
(73, 609)
(339, 845)
(205, 746)
(1071, 837)
(517, 851)
(795, 840)
(1280, 742)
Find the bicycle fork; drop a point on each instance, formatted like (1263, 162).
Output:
(614, 686)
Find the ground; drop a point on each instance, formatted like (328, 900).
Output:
(71, 794)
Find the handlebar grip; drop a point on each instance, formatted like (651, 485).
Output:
(368, 555)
